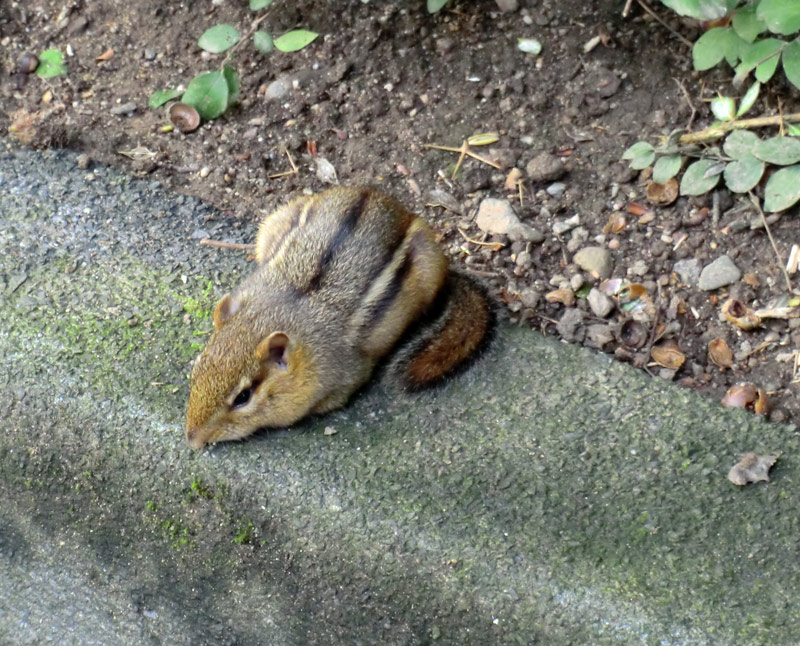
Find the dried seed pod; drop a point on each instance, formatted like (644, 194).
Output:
(720, 353)
(184, 117)
(631, 334)
(668, 354)
(563, 296)
(483, 139)
(747, 395)
(27, 63)
(739, 314)
(665, 193)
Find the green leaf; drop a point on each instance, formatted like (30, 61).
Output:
(263, 42)
(709, 49)
(747, 24)
(783, 189)
(51, 63)
(160, 97)
(740, 143)
(702, 9)
(219, 38)
(791, 63)
(257, 5)
(724, 108)
(769, 49)
(291, 41)
(780, 16)
(232, 79)
(733, 47)
(640, 155)
(781, 151)
(793, 129)
(749, 99)
(743, 174)
(666, 167)
(695, 181)
(435, 6)
(208, 94)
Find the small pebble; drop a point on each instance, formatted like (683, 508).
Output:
(530, 297)
(600, 303)
(278, 89)
(719, 273)
(545, 167)
(599, 335)
(570, 326)
(639, 268)
(595, 260)
(498, 217)
(556, 189)
(507, 6)
(688, 270)
(124, 108)
(560, 227)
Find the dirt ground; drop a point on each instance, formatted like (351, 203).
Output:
(385, 79)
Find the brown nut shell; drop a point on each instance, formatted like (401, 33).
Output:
(719, 352)
(747, 395)
(740, 314)
(27, 63)
(668, 354)
(632, 334)
(184, 117)
(665, 193)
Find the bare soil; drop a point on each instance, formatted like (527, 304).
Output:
(385, 79)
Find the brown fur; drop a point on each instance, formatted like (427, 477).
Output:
(341, 278)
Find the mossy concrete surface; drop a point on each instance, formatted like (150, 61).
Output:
(548, 496)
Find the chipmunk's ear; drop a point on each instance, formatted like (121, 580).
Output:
(227, 307)
(274, 350)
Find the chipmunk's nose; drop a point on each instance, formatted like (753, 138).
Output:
(194, 437)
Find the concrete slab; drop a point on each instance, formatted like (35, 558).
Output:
(548, 496)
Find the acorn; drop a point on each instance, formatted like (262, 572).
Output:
(27, 63)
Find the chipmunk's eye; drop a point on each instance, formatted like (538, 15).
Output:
(242, 398)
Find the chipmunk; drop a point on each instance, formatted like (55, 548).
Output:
(343, 278)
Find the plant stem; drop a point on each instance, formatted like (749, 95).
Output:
(781, 264)
(253, 28)
(721, 129)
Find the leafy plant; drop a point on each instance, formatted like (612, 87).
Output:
(51, 63)
(213, 93)
(742, 162)
(435, 6)
(736, 40)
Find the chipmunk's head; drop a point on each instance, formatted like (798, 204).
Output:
(244, 379)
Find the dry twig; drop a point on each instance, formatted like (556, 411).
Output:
(721, 129)
(781, 264)
(227, 245)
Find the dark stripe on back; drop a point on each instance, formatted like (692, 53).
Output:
(382, 305)
(292, 226)
(346, 228)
